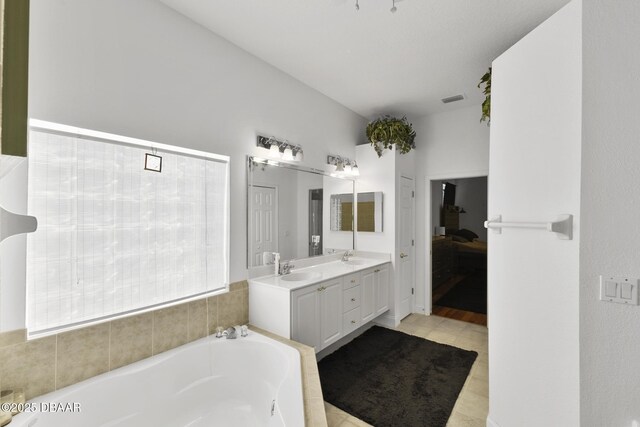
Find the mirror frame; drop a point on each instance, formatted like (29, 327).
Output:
(300, 168)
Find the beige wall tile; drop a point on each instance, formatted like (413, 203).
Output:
(13, 337)
(131, 340)
(170, 328)
(13, 366)
(230, 308)
(41, 368)
(82, 354)
(198, 323)
(238, 286)
(212, 314)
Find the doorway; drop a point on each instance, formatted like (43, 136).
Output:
(459, 249)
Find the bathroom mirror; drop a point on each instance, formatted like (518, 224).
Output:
(368, 212)
(288, 211)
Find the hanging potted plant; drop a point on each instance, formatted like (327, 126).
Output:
(387, 131)
(486, 105)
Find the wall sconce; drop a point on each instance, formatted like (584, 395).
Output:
(342, 166)
(281, 149)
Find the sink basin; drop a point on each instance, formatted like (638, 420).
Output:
(355, 262)
(299, 277)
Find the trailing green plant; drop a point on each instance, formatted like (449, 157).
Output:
(486, 105)
(385, 132)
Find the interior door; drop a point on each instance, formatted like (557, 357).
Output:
(405, 246)
(264, 217)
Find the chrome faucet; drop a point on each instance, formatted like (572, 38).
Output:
(346, 256)
(230, 333)
(285, 268)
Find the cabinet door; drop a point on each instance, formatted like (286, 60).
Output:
(368, 288)
(330, 312)
(305, 316)
(382, 289)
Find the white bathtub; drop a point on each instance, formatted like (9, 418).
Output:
(210, 382)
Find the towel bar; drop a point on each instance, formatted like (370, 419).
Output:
(563, 226)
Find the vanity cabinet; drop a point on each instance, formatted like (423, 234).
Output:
(323, 313)
(317, 314)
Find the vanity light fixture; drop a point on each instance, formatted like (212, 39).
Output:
(281, 149)
(342, 166)
(393, 9)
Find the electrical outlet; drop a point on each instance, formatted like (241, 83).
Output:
(621, 290)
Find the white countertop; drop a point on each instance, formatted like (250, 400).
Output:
(318, 273)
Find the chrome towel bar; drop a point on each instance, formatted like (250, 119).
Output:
(563, 226)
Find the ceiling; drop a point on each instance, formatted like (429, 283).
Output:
(374, 61)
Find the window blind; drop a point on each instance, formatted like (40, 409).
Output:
(114, 238)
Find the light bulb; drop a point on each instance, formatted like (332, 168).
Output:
(347, 168)
(355, 171)
(288, 154)
(339, 167)
(299, 155)
(274, 150)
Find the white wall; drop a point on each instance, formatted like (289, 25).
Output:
(450, 145)
(142, 70)
(533, 275)
(610, 232)
(335, 240)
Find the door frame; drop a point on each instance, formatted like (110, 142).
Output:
(428, 231)
(412, 302)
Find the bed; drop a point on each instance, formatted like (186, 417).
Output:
(471, 252)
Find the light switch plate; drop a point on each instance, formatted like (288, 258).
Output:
(621, 290)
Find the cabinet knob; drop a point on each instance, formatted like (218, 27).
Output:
(377, 270)
(353, 299)
(353, 321)
(403, 255)
(321, 288)
(353, 280)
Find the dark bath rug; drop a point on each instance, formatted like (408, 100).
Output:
(388, 378)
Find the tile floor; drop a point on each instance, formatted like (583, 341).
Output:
(472, 406)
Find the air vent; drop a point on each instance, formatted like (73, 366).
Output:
(453, 99)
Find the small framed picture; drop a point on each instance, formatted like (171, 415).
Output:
(152, 163)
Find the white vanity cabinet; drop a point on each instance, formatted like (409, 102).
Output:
(316, 314)
(319, 314)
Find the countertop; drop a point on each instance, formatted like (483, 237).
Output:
(311, 275)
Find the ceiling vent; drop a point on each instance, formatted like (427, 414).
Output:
(453, 98)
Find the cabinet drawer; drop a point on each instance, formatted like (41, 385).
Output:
(351, 280)
(351, 321)
(351, 298)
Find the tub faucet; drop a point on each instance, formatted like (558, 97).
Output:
(285, 268)
(230, 333)
(346, 256)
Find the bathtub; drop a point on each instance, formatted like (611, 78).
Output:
(249, 381)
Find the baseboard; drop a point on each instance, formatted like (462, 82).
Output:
(491, 423)
(344, 340)
(387, 320)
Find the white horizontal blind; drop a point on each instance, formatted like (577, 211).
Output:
(114, 238)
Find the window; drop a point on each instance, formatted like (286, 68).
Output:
(115, 238)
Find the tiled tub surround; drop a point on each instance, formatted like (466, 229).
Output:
(46, 364)
(248, 381)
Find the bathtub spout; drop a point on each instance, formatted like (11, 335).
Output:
(230, 333)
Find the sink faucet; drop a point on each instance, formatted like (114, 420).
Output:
(285, 268)
(230, 333)
(346, 256)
